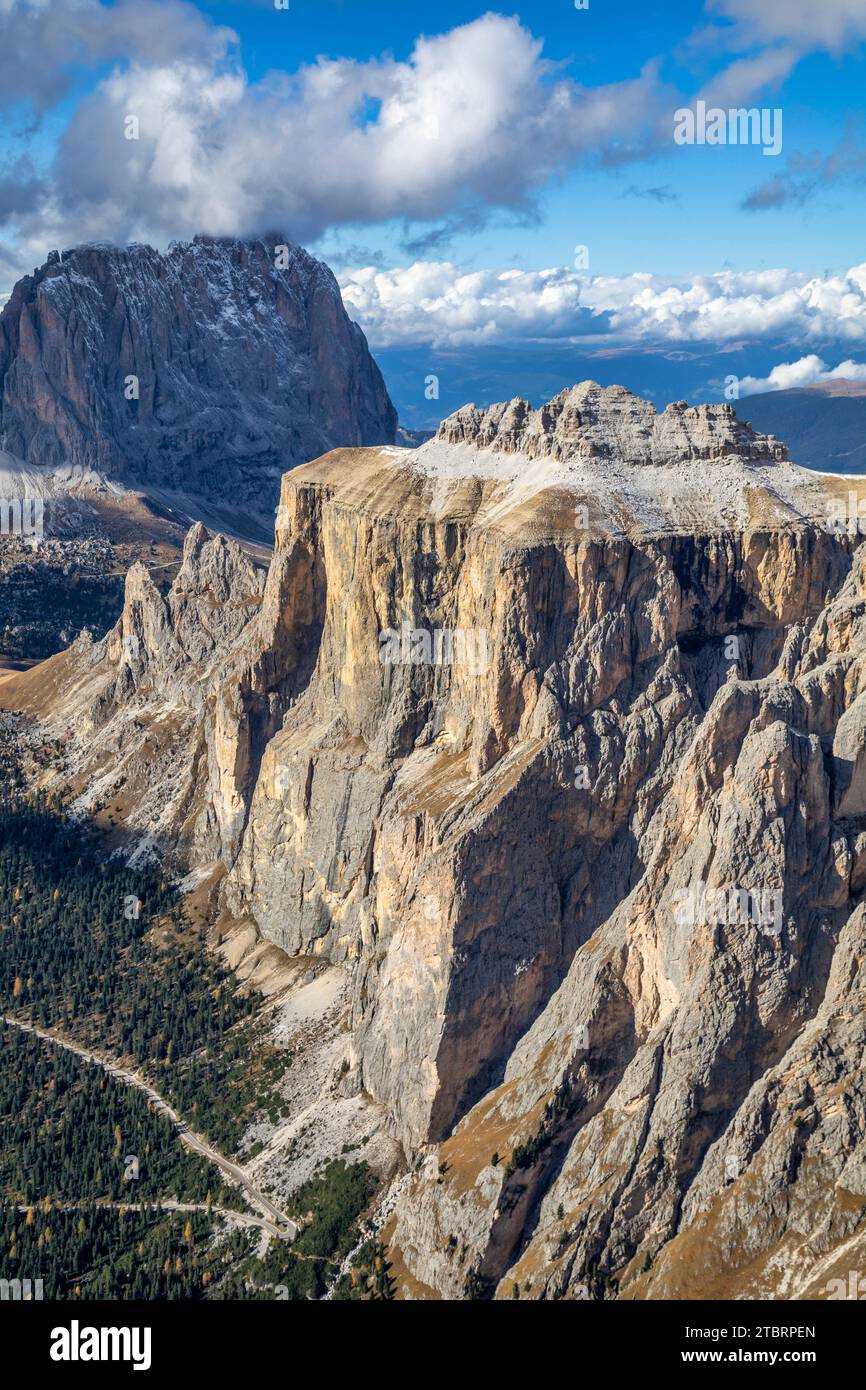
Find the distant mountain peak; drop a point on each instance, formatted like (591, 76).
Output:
(207, 369)
(838, 386)
(823, 424)
(593, 421)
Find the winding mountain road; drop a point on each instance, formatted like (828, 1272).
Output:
(234, 1218)
(275, 1221)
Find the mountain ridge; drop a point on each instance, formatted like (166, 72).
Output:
(823, 424)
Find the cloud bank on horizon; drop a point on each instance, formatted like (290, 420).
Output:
(437, 302)
(473, 132)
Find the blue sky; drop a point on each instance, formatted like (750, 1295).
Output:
(447, 160)
(695, 221)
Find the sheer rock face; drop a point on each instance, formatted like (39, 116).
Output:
(245, 360)
(597, 879)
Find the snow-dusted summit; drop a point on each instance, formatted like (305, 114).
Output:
(604, 460)
(207, 370)
(610, 422)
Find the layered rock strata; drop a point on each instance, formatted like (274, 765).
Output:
(596, 877)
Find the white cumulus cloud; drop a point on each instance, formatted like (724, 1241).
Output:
(475, 119)
(42, 42)
(806, 371)
(436, 301)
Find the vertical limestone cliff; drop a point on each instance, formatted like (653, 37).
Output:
(595, 873)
